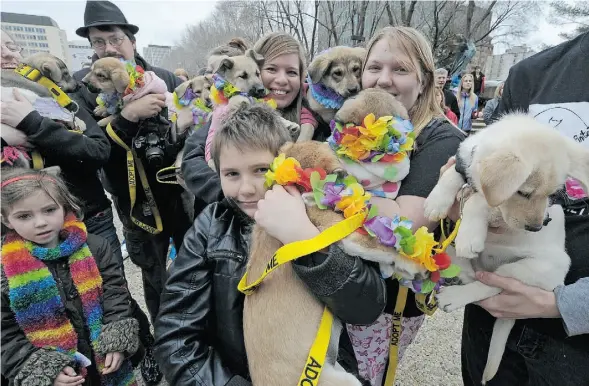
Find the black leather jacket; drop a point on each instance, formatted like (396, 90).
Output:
(199, 333)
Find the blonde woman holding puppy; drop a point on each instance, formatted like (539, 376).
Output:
(283, 74)
(468, 102)
(400, 61)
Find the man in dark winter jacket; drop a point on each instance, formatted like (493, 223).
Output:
(151, 212)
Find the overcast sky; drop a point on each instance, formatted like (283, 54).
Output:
(159, 22)
(163, 22)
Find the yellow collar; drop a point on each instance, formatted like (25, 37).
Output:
(35, 75)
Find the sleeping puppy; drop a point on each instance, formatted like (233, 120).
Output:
(276, 356)
(112, 76)
(39, 96)
(513, 166)
(333, 76)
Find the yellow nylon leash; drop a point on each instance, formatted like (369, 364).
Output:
(167, 178)
(35, 75)
(131, 160)
(292, 251)
(396, 336)
(316, 358)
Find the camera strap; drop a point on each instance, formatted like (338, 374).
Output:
(133, 160)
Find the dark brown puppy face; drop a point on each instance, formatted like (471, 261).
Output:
(340, 69)
(53, 68)
(109, 75)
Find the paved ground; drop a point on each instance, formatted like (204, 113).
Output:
(432, 359)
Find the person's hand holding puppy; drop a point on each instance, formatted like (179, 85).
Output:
(143, 108)
(14, 111)
(283, 215)
(517, 301)
(112, 362)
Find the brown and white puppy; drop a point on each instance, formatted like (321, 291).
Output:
(243, 72)
(514, 165)
(338, 70)
(282, 317)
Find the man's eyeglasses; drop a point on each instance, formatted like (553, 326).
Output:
(13, 47)
(114, 41)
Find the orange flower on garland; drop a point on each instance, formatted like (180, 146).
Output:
(283, 171)
(355, 202)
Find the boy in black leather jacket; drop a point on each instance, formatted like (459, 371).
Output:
(199, 334)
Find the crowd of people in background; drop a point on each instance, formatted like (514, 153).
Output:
(67, 315)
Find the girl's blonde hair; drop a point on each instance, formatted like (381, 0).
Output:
(421, 61)
(471, 95)
(277, 44)
(19, 183)
(442, 105)
(499, 89)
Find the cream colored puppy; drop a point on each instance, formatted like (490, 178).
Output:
(513, 166)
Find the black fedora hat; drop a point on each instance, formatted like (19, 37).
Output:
(99, 13)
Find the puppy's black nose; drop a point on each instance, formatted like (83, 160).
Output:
(533, 228)
(258, 91)
(354, 90)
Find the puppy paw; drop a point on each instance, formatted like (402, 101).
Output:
(469, 245)
(438, 204)
(451, 298)
(100, 111)
(386, 270)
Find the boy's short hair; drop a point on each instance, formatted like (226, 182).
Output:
(256, 127)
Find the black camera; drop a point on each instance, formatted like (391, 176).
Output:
(152, 145)
(153, 148)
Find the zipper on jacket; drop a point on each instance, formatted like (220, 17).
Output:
(226, 254)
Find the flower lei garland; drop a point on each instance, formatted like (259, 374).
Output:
(200, 111)
(114, 102)
(325, 96)
(386, 139)
(222, 91)
(349, 197)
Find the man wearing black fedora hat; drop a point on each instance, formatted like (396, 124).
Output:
(111, 35)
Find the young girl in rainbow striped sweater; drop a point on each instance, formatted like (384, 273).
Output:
(65, 304)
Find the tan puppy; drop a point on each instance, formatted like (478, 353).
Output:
(334, 75)
(282, 317)
(514, 165)
(200, 86)
(111, 76)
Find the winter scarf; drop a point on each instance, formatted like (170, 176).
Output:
(37, 305)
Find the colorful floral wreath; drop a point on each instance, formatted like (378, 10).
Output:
(346, 195)
(114, 102)
(200, 111)
(222, 91)
(386, 139)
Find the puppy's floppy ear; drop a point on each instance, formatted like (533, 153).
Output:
(579, 163)
(181, 90)
(318, 68)
(361, 52)
(50, 70)
(120, 79)
(501, 175)
(225, 65)
(259, 59)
